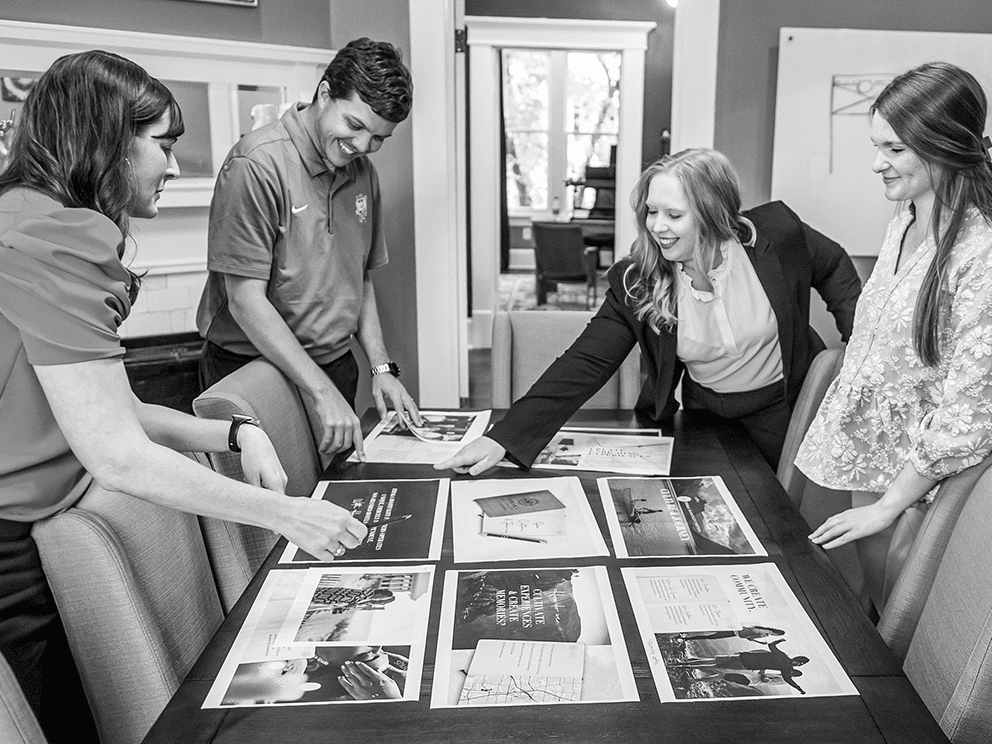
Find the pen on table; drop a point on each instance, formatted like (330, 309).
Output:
(381, 522)
(515, 537)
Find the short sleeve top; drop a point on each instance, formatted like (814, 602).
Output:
(281, 215)
(63, 295)
(886, 408)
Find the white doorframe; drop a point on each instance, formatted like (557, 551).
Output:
(697, 32)
(439, 221)
(486, 37)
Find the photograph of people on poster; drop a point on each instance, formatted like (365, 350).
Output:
(732, 631)
(631, 451)
(522, 519)
(674, 517)
(405, 519)
(530, 637)
(261, 671)
(357, 605)
(396, 439)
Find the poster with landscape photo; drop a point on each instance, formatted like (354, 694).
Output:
(405, 518)
(631, 451)
(675, 517)
(530, 637)
(732, 631)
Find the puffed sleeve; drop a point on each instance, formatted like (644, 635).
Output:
(244, 219)
(569, 382)
(63, 286)
(957, 433)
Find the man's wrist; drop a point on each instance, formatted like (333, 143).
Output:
(237, 422)
(388, 367)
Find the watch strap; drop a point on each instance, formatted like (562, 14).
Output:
(237, 421)
(391, 367)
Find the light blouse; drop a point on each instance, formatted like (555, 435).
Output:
(728, 338)
(886, 407)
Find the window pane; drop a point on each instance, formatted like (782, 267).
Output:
(594, 92)
(526, 170)
(193, 149)
(588, 150)
(267, 99)
(525, 90)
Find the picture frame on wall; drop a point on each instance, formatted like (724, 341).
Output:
(243, 3)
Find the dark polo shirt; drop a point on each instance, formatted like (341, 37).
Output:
(280, 215)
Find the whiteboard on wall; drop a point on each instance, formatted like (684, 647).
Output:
(822, 155)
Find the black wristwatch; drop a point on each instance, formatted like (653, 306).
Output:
(391, 367)
(237, 421)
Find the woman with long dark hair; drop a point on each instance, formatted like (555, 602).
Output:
(913, 402)
(92, 148)
(716, 298)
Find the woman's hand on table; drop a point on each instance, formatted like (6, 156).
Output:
(475, 457)
(853, 524)
(321, 528)
(365, 683)
(259, 460)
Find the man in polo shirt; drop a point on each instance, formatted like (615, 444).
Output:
(295, 228)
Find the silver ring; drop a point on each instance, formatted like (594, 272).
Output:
(339, 552)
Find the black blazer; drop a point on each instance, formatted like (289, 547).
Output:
(789, 258)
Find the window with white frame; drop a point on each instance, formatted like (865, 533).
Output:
(561, 113)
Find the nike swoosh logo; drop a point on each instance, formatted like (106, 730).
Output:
(297, 210)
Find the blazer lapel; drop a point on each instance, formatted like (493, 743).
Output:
(769, 271)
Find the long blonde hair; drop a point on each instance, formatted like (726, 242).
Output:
(711, 187)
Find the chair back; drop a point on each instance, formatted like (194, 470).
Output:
(824, 369)
(949, 659)
(559, 251)
(526, 342)
(905, 603)
(260, 390)
(17, 722)
(138, 601)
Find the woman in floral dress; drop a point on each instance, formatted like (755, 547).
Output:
(913, 402)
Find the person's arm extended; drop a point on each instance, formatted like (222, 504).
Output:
(94, 407)
(182, 432)
(268, 332)
(908, 488)
(386, 389)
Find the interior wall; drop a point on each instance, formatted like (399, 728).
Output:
(395, 283)
(747, 63)
(308, 25)
(658, 57)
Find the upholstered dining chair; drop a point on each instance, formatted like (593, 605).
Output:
(949, 656)
(17, 722)
(525, 342)
(561, 255)
(138, 601)
(260, 390)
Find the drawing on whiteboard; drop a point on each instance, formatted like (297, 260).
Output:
(853, 95)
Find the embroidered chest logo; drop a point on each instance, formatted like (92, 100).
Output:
(362, 207)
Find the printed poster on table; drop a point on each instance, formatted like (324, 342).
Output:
(674, 517)
(346, 660)
(530, 637)
(631, 451)
(405, 518)
(517, 519)
(734, 631)
(396, 439)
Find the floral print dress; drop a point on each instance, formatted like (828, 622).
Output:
(886, 407)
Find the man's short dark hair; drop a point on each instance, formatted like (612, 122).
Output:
(374, 70)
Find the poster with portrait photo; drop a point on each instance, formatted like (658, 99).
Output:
(405, 519)
(443, 433)
(675, 517)
(259, 671)
(535, 636)
(732, 631)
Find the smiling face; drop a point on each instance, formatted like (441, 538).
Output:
(907, 177)
(347, 127)
(152, 164)
(669, 219)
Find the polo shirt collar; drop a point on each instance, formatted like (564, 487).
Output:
(304, 138)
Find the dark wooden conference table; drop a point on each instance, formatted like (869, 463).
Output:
(888, 709)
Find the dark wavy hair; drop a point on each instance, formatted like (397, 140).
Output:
(374, 70)
(711, 188)
(938, 111)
